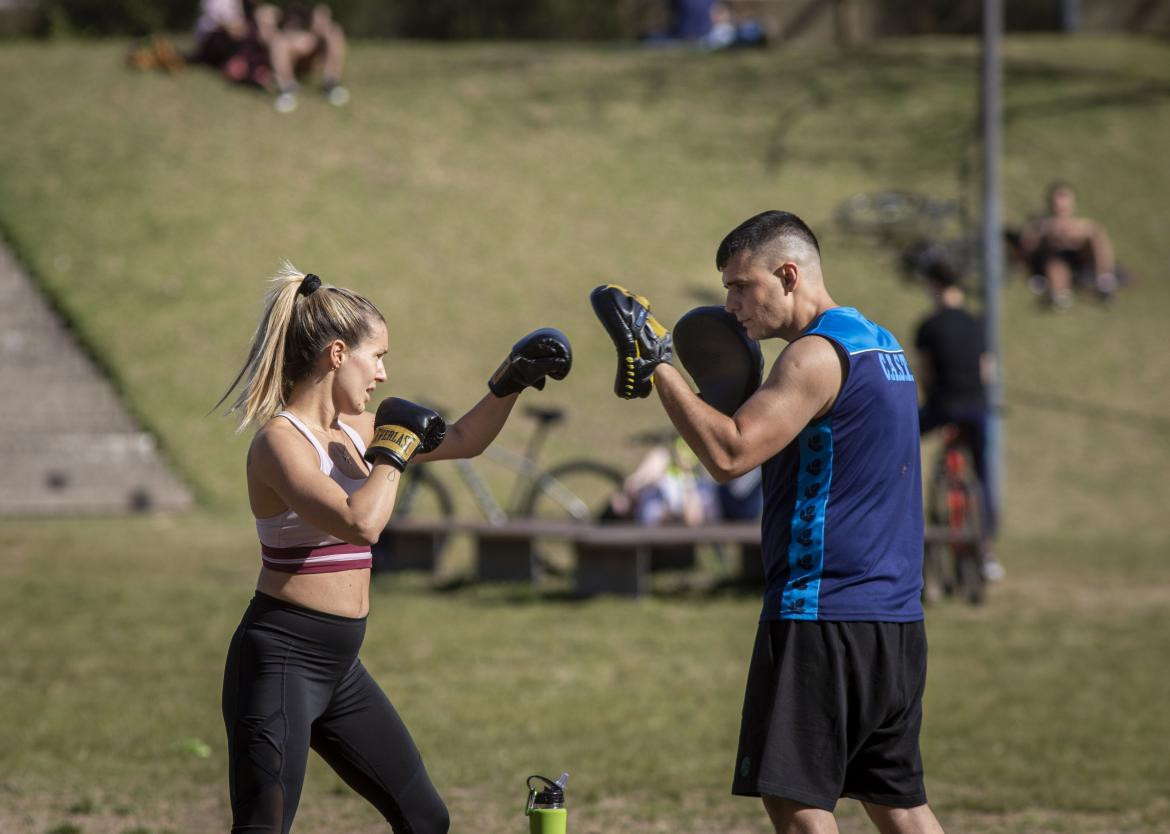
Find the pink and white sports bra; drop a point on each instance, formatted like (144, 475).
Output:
(289, 544)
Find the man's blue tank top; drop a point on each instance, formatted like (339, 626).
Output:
(842, 520)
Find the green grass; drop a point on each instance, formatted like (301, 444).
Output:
(1042, 711)
(475, 192)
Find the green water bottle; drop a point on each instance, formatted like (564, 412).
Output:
(546, 806)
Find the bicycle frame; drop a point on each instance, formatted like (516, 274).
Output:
(953, 495)
(528, 474)
(485, 499)
(955, 465)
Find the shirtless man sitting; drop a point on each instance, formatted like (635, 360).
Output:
(1064, 249)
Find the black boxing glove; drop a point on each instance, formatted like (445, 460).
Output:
(402, 428)
(544, 352)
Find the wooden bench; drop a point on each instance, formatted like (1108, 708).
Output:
(503, 552)
(609, 558)
(619, 558)
(509, 552)
(411, 545)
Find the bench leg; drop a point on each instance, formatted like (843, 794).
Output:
(672, 557)
(398, 551)
(611, 570)
(503, 559)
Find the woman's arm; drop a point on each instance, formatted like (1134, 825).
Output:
(474, 431)
(466, 437)
(281, 460)
(543, 352)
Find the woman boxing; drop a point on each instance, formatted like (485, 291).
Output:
(323, 475)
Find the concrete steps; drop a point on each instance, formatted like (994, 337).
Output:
(53, 462)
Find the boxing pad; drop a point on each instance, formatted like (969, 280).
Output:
(725, 363)
(642, 342)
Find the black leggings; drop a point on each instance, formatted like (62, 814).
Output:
(293, 681)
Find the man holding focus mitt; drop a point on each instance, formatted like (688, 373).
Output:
(833, 705)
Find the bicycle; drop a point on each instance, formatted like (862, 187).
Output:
(921, 229)
(953, 506)
(574, 490)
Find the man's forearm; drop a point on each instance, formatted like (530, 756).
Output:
(709, 433)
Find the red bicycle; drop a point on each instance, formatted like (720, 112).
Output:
(953, 562)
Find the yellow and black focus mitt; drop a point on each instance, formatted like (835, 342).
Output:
(642, 342)
(725, 363)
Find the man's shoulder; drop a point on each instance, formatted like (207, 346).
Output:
(808, 355)
(852, 331)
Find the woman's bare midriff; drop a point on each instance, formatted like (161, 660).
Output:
(344, 593)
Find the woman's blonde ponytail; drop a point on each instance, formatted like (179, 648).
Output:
(301, 317)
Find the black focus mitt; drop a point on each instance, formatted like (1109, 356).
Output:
(642, 342)
(726, 364)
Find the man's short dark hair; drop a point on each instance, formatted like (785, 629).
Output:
(757, 232)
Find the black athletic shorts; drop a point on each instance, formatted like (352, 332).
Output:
(833, 709)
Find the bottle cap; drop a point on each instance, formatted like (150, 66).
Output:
(551, 795)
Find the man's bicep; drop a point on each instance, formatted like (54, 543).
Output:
(803, 383)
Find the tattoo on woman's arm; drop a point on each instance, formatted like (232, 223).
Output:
(392, 475)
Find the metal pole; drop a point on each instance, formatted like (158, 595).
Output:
(992, 232)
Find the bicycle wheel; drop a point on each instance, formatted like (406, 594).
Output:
(969, 567)
(935, 582)
(956, 565)
(968, 554)
(422, 497)
(938, 580)
(577, 490)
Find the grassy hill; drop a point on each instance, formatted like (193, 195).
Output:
(476, 192)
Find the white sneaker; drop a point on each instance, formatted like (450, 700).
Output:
(337, 95)
(286, 102)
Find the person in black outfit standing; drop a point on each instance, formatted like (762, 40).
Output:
(954, 371)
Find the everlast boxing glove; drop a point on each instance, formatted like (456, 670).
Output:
(541, 353)
(402, 428)
(641, 341)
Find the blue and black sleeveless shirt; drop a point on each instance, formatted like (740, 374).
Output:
(842, 520)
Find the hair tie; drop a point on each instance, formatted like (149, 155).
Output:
(309, 285)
